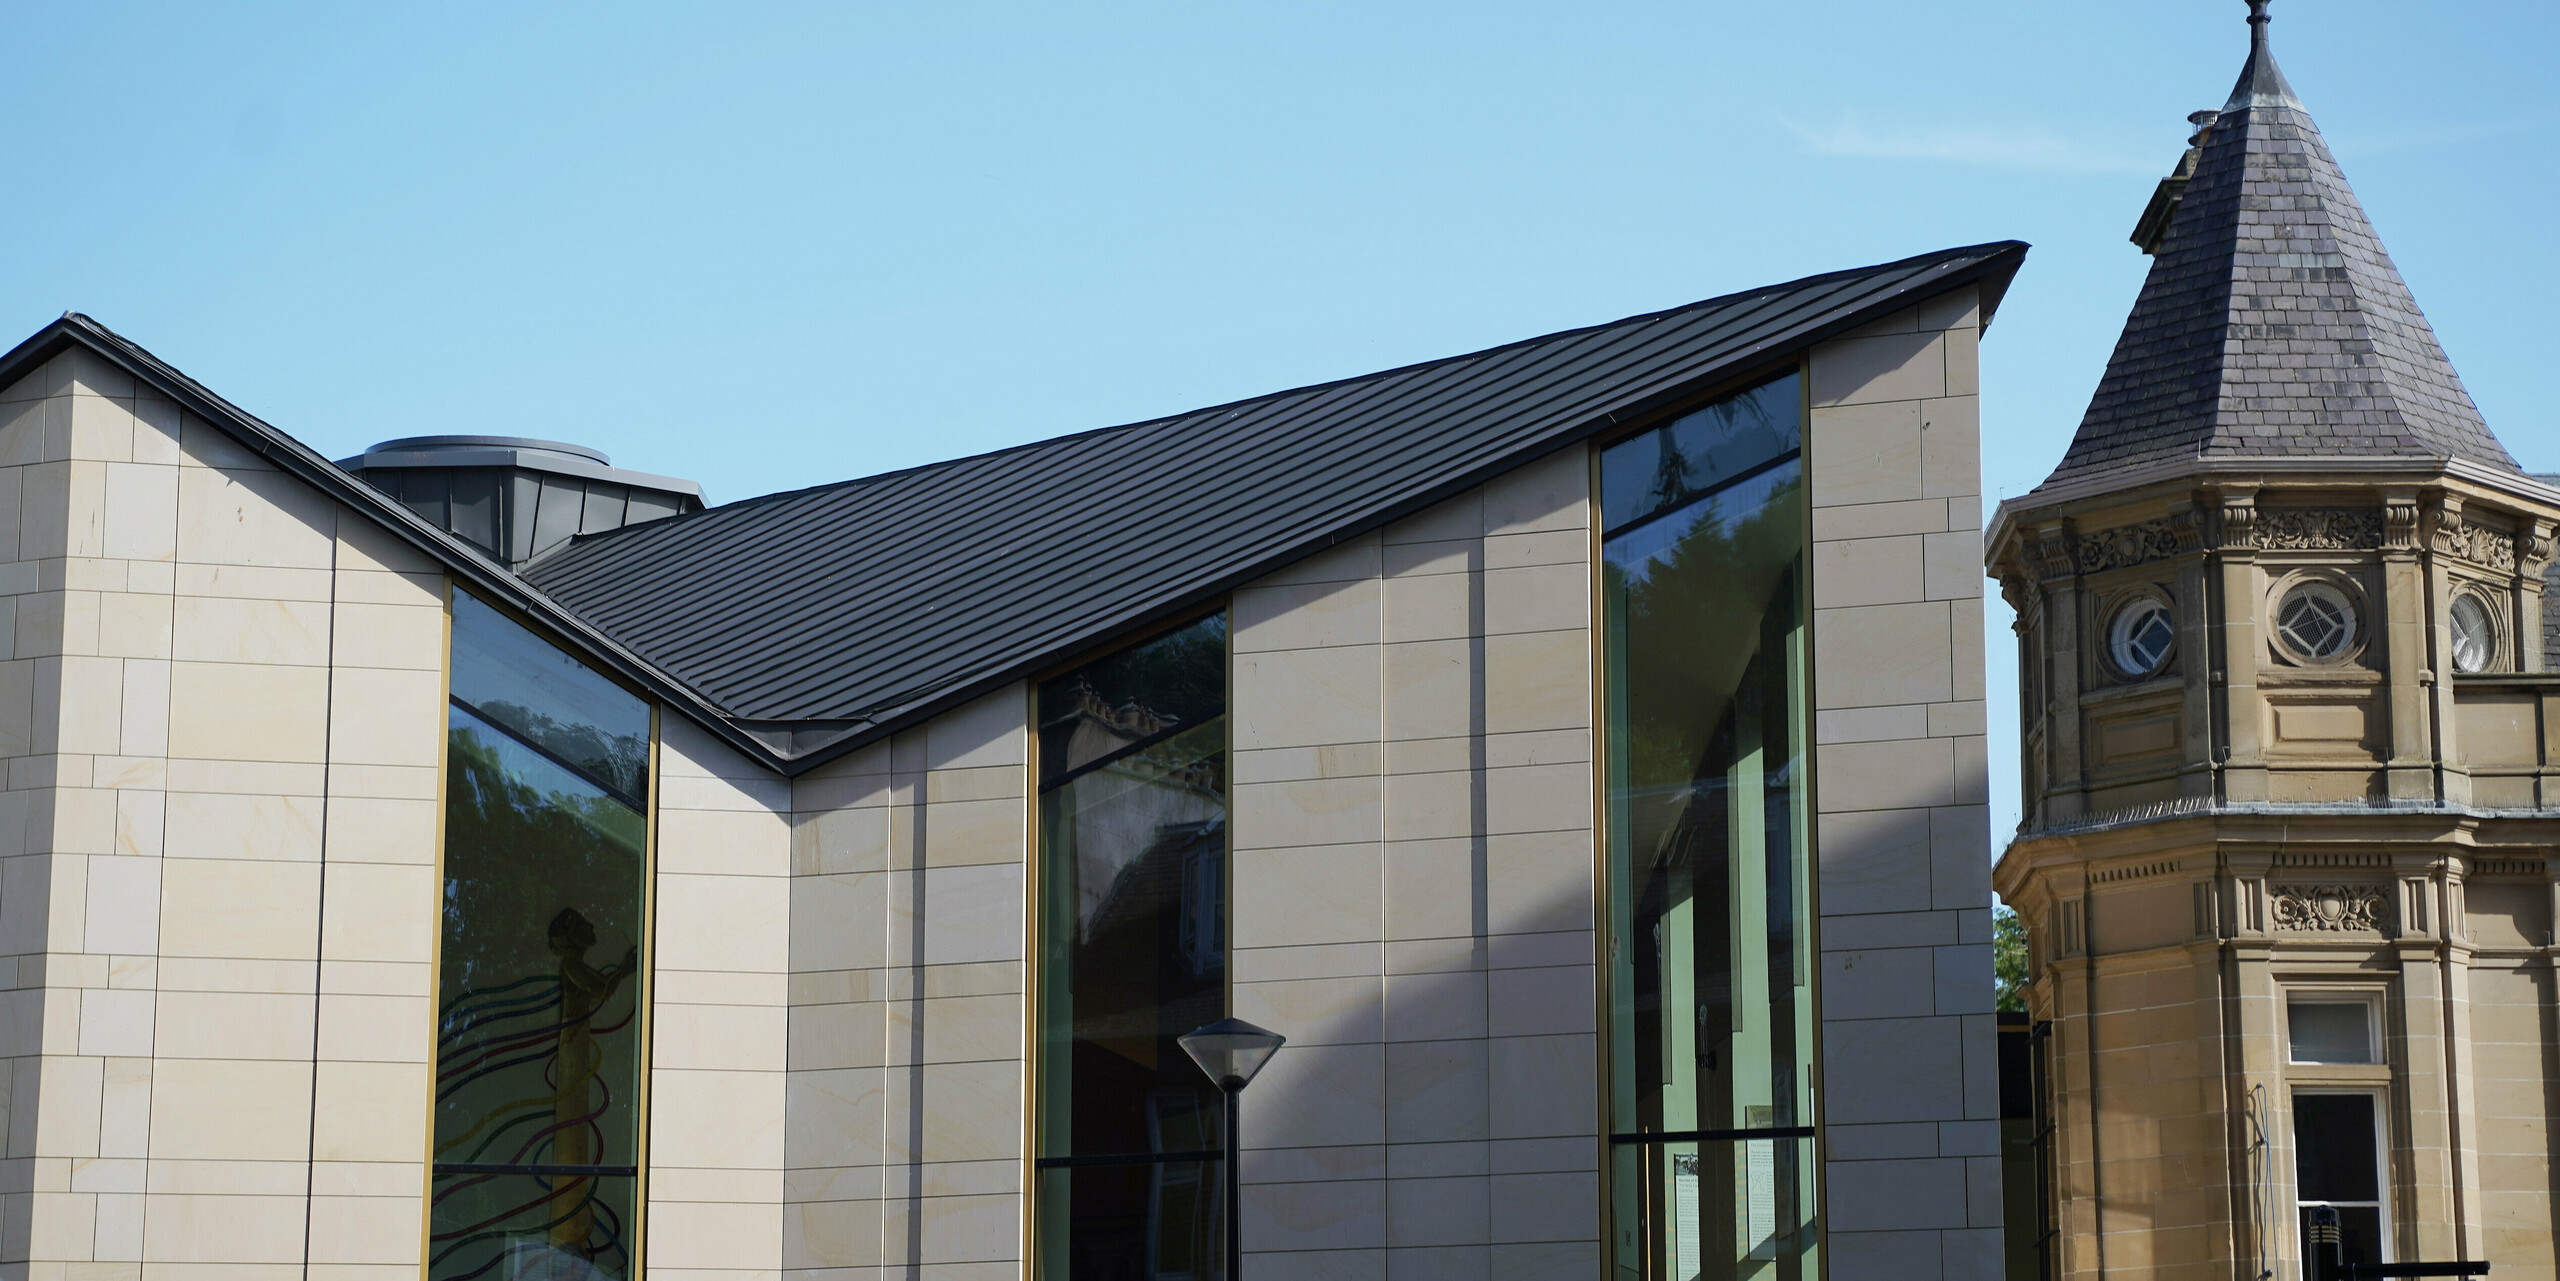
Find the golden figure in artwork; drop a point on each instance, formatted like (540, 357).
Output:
(583, 990)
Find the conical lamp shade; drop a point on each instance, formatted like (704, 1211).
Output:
(1231, 1051)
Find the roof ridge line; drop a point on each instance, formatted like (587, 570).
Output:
(831, 606)
(1987, 248)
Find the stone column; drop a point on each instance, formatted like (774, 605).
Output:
(2414, 590)
(2195, 651)
(2422, 1141)
(2244, 768)
(2065, 795)
(2533, 555)
(2073, 1077)
(2463, 1121)
(2254, 1041)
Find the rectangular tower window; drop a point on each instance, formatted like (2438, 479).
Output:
(546, 839)
(2330, 1031)
(2337, 1161)
(1133, 954)
(1711, 1026)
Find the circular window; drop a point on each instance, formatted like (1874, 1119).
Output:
(2140, 638)
(2475, 635)
(2316, 622)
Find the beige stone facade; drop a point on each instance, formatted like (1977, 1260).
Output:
(906, 1149)
(2246, 829)
(1414, 892)
(219, 890)
(1910, 1076)
(223, 712)
(2286, 759)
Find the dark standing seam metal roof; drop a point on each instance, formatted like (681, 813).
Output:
(2272, 323)
(832, 614)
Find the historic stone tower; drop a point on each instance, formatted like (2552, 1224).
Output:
(2290, 752)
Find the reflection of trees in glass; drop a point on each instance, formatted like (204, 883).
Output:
(1712, 1028)
(519, 831)
(1692, 577)
(1700, 452)
(511, 678)
(537, 1059)
(620, 761)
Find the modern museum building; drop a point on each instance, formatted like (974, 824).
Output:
(476, 860)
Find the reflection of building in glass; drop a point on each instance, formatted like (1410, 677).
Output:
(1712, 1103)
(1133, 861)
(493, 866)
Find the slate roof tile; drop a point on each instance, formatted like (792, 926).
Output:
(2270, 269)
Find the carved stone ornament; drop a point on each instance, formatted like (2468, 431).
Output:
(2132, 545)
(2328, 907)
(2053, 552)
(2239, 520)
(2482, 546)
(2319, 528)
(2400, 522)
(2534, 546)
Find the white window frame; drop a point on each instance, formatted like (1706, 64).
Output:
(2381, 1096)
(2350, 594)
(2495, 660)
(2370, 1000)
(2120, 634)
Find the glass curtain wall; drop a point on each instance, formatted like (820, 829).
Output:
(537, 1118)
(1133, 953)
(1703, 570)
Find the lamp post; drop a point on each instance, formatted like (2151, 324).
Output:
(2320, 1244)
(1231, 1051)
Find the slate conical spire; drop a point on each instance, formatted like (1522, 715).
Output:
(2272, 323)
(2262, 82)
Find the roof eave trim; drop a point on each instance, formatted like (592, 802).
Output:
(556, 465)
(301, 461)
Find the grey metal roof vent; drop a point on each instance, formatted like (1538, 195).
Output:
(515, 498)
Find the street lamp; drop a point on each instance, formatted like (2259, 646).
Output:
(1231, 1051)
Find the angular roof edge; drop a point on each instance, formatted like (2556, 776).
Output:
(1998, 265)
(304, 463)
(792, 748)
(805, 745)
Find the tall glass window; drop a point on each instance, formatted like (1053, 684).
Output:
(537, 1120)
(1711, 1026)
(1133, 953)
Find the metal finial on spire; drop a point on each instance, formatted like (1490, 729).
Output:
(2261, 83)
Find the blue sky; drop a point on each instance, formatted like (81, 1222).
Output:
(770, 246)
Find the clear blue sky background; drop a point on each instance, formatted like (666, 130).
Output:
(769, 246)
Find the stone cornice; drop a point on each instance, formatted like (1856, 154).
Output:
(2411, 835)
(2170, 480)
